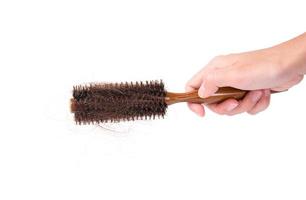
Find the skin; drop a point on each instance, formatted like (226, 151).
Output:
(276, 68)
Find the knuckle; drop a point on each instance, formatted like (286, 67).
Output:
(216, 110)
(234, 112)
(231, 114)
(219, 110)
(252, 112)
(222, 113)
(217, 59)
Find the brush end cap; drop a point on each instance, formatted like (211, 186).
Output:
(72, 105)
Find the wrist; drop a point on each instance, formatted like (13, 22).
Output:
(292, 56)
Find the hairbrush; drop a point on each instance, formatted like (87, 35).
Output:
(113, 102)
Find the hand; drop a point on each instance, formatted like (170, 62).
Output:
(277, 68)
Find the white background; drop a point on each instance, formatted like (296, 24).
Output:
(48, 46)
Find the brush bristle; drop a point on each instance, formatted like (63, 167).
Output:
(113, 102)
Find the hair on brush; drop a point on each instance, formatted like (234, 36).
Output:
(114, 102)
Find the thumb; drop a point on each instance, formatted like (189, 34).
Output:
(207, 89)
(214, 79)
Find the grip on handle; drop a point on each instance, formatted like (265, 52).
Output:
(222, 94)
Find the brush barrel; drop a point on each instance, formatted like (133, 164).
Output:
(222, 94)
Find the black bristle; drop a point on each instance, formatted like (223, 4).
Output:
(114, 102)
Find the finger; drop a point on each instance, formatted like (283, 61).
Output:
(247, 103)
(191, 86)
(262, 104)
(205, 79)
(218, 77)
(195, 82)
(197, 108)
(224, 107)
(207, 87)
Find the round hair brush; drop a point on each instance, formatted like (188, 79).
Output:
(114, 102)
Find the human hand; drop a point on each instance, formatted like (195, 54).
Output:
(277, 68)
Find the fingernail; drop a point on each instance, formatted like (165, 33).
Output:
(256, 96)
(231, 106)
(201, 92)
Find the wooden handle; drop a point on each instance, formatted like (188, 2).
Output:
(222, 94)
